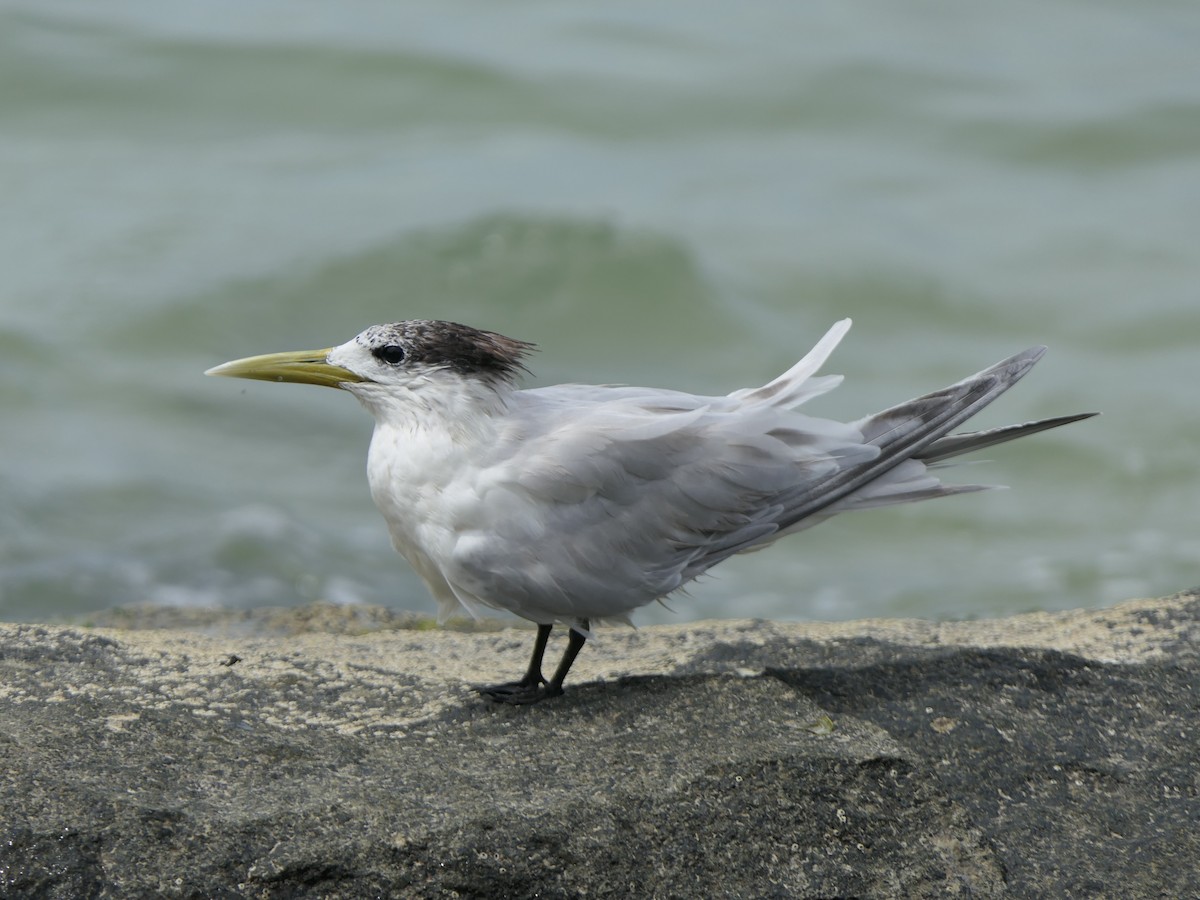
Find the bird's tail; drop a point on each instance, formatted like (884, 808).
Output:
(918, 430)
(970, 441)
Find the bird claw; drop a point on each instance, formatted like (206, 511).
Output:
(519, 693)
(533, 687)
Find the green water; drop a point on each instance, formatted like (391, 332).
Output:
(680, 194)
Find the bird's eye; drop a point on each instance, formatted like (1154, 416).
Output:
(392, 354)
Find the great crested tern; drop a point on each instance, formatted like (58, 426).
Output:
(577, 503)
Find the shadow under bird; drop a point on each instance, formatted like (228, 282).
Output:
(577, 503)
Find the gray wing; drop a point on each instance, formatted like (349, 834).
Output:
(613, 497)
(621, 504)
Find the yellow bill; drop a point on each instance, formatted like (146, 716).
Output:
(298, 366)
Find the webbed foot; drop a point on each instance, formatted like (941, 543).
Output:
(520, 693)
(533, 688)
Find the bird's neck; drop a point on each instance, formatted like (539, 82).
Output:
(461, 410)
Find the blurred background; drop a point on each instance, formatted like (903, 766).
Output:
(683, 194)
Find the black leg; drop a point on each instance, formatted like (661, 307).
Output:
(533, 675)
(533, 687)
(532, 679)
(575, 642)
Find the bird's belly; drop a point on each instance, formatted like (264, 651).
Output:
(478, 538)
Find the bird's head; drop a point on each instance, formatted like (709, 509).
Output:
(394, 358)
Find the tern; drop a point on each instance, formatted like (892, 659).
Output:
(576, 504)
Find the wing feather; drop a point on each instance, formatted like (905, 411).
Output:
(602, 499)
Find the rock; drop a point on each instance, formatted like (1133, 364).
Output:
(1053, 754)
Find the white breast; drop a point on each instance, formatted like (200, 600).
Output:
(431, 471)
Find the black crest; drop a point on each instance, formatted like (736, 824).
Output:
(449, 345)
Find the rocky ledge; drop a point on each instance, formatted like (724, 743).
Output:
(1046, 755)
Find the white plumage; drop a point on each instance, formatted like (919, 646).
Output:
(577, 503)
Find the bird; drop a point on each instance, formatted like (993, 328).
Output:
(577, 504)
